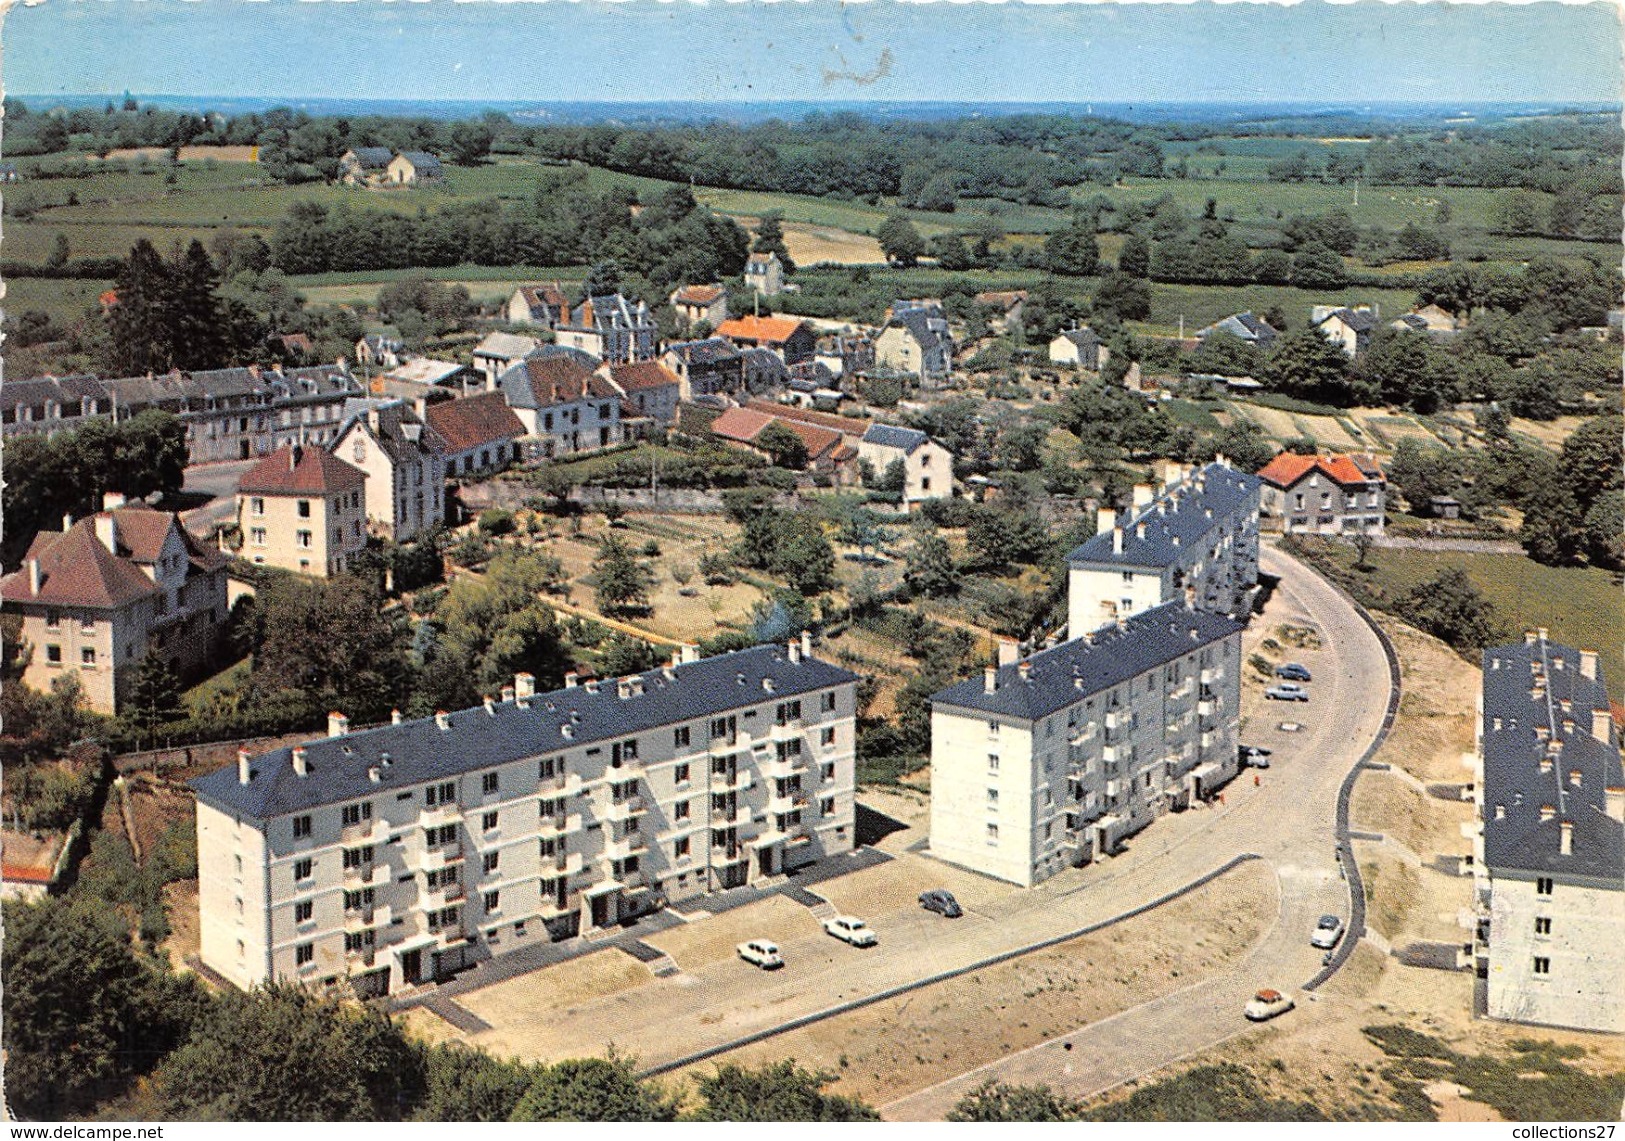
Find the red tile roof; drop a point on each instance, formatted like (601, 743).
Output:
(561, 380)
(1288, 468)
(698, 295)
(308, 471)
(643, 376)
(762, 330)
(845, 425)
(474, 421)
(745, 424)
(77, 570)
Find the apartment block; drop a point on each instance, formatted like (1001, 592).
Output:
(1197, 532)
(391, 857)
(1549, 856)
(1050, 761)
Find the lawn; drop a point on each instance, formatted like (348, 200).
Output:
(1202, 305)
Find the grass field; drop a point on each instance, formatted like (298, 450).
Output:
(1201, 305)
(64, 300)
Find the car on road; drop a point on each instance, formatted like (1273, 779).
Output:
(942, 902)
(1327, 932)
(851, 930)
(1255, 756)
(761, 953)
(1287, 691)
(1266, 1004)
(1292, 671)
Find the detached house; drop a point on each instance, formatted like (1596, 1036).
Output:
(1349, 329)
(789, 339)
(563, 404)
(700, 303)
(1244, 327)
(98, 597)
(928, 467)
(648, 387)
(1324, 495)
(411, 167)
(403, 460)
(541, 305)
(378, 351)
(481, 433)
(364, 166)
(302, 509)
(611, 328)
(1003, 308)
(712, 367)
(827, 453)
(916, 341)
(764, 274)
(1081, 347)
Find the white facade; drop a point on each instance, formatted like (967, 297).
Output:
(405, 493)
(1558, 955)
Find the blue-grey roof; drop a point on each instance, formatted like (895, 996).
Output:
(1513, 783)
(1084, 338)
(423, 160)
(891, 436)
(1244, 325)
(1184, 516)
(713, 350)
(372, 156)
(420, 751)
(1068, 673)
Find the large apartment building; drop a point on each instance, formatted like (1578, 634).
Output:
(1050, 761)
(394, 856)
(1549, 858)
(1199, 531)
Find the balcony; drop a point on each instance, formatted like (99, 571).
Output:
(1212, 676)
(1117, 719)
(726, 817)
(788, 801)
(434, 898)
(1209, 739)
(1087, 734)
(566, 863)
(365, 832)
(563, 783)
(559, 825)
(789, 730)
(782, 767)
(738, 781)
(626, 808)
(623, 846)
(1207, 707)
(440, 814)
(364, 875)
(366, 919)
(1111, 754)
(361, 956)
(433, 859)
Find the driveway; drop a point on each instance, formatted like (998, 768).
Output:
(219, 483)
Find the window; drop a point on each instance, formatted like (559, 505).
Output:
(53, 655)
(302, 870)
(301, 827)
(440, 793)
(680, 848)
(489, 821)
(1543, 965)
(304, 509)
(827, 736)
(622, 752)
(826, 806)
(302, 538)
(992, 728)
(256, 506)
(827, 772)
(1543, 886)
(489, 783)
(681, 811)
(787, 712)
(490, 861)
(826, 702)
(87, 656)
(304, 954)
(679, 738)
(993, 762)
(992, 833)
(493, 901)
(353, 814)
(1543, 925)
(304, 911)
(680, 774)
(356, 857)
(992, 798)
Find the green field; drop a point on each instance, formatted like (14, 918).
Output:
(64, 300)
(1201, 305)
(1581, 606)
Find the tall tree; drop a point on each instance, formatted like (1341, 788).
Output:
(1451, 608)
(138, 322)
(775, 1091)
(770, 238)
(1135, 257)
(620, 581)
(593, 1089)
(196, 332)
(900, 241)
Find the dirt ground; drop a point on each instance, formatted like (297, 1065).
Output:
(713, 939)
(1437, 707)
(894, 1048)
(1328, 432)
(558, 989)
(809, 244)
(1425, 824)
(187, 154)
(1548, 433)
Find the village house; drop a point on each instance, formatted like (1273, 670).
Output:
(648, 387)
(928, 467)
(412, 167)
(429, 372)
(1244, 327)
(916, 341)
(480, 433)
(374, 350)
(498, 352)
(563, 404)
(1429, 319)
(1348, 329)
(302, 509)
(611, 328)
(788, 338)
(828, 454)
(708, 368)
(1081, 347)
(46, 405)
(1003, 308)
(365, 166)
(1324, 495)
(764, 274)
(541, 305)
(700, 304)
(99, 596)
(403, 460)
(846, 353)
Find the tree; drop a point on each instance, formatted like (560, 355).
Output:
(1001, 534)
(900, 241)
(996, 1101)
(155, 695)
(194, 314)
(861, 529)
(1604, 529)
(775, 1091)
(1073, 252)
(329, 644)
(1317, 266)
(60, 252)
(1306, 364)
(930, 567)
(1125, 295)
(786, 449)
(138, 321)
(770, 238)
(1421, 471)
(1553, 521)
(1223, 353)
(470, 142)
(253, 1057)
(1517, 212)
(593, 1089)
(951, 252)
(1134, 258)
(805, 558)
(1451, 608)
(1405, 369)
(1591, 457)
(620, 582)
(463, 1084)
(1242, 442)
(1362, 550)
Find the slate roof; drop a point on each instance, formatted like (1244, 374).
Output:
(372, 157)
(1516, 789)
(1360, 320)
(1288, 468)
(1244, 325)
(506, 346)
(549, 297)
(609, 311)
(1084, 338)
(420, 751)
(891, 436)
(762, 330)
(67, 391)
(422, 160)
(763, 365)
(291, 470)
(929, 331)
(399, 431)
(1184, 517)
(547, 381)
(711, 351)
(1065, 674)
(474, 421)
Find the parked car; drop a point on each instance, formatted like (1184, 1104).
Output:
(1266, 1004)
(942, 902)
(1254, 756)
(1292, 671)
(1327, 932)
(1287, 691)
(761, 953)
(850, 930)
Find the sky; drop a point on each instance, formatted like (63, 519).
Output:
(818, 50)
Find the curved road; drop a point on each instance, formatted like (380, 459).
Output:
(1289, 821)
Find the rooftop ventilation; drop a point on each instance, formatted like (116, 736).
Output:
(301, 761)
(244, 774)
(442, 719)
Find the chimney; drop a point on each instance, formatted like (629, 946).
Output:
(337, 724)
(524, 686)
(1139, 530)
(1540, 632)
(507, 694)
(295, 454)
(1143, 494)
(990, 679)
(806, 644)
(490, 705)
(623, 688)
(1588, 664)
(113, 500)
(1602, 726)
(1529, 637)
(107, 531)
(570, 679)
(375, 774)
(242, 766)
(1105, 519)
(1190, 598)
(794, 651)
(1614, 800)
(1565, 837)
(691, 651)
(1025, 669)
(591, 685)
(1117, 540)
(394, 716)
(301, 761)
(767, 685)
(1009, 651)
(442, 719)
(35, 578)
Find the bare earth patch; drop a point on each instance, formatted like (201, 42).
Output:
(558, 989)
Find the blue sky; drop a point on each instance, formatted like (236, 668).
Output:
(818, 49)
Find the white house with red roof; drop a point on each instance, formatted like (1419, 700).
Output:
(700, 303)
(1324, 495)
(648, 388)
(481, 433)
(303, 509)
(100, 595)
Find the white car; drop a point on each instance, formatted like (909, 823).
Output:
(1266, 1004)
(1327, 932)
(850, 930)
(761, 953)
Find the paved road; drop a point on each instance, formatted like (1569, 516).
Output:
(1289, 822)
(219, 481)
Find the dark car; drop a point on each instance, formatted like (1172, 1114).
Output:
(942, 902)
(1292, 671)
